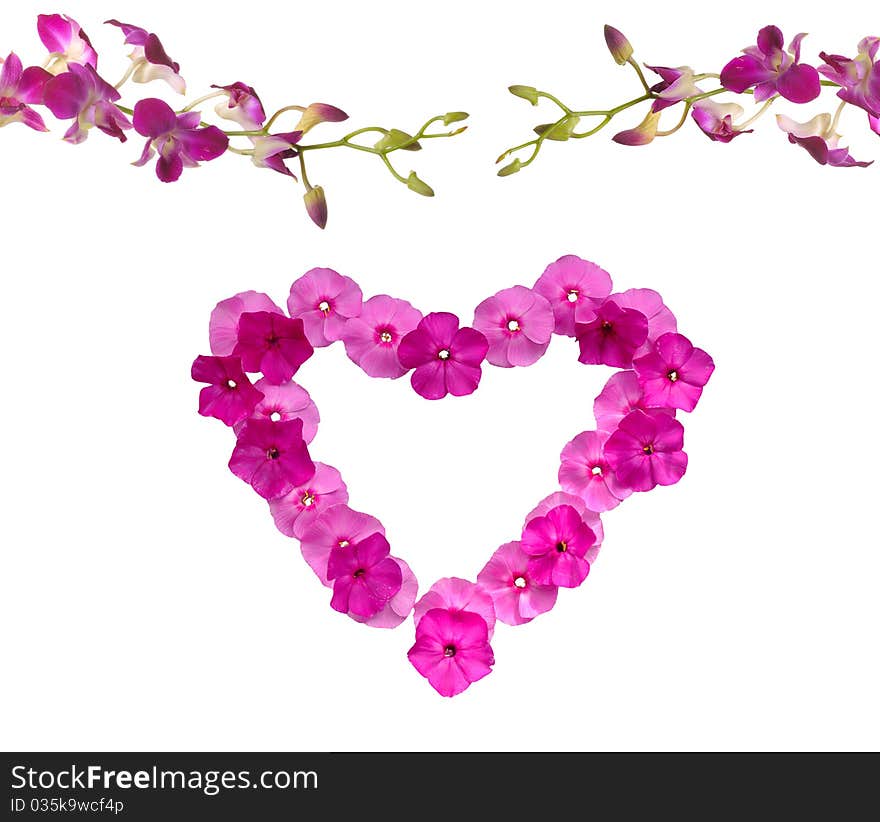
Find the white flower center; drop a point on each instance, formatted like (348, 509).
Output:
(520, 582)
(513, 325)
(443, 354)
(231, 383)
(597, 470)
(324, 306)
(386, 337)
(343, 543)
(673, 376)
(572, 296)
(308, 499)
(275, 416)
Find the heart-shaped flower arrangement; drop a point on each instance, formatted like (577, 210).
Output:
(636, 444)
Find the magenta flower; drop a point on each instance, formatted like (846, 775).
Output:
(67, 43)
(716, 120)
(81, 95)
(229, 395)
(455, 594)
(859, 76)
(177, 138)
(324, 300)
(149, 60)
(590, 518)
(372, 338)
(18, 87)
(242, 106)
(613, 337)
(272, 457)
(676, 84)
(575, 288)
(874, 123)
(621, 394)
(272, 150)
(646, 450)
(364, 577)
(518, 324)
(556, 544)
(585, 471)
(223, 326)
(516, 596)
(273, 344)
(650, 303)
(673, 375)
(451, 650)
(296, 511)
(771, 70)
(446, 358)
(337, 526)
(399, 607)
(287, 401)
(820, 140)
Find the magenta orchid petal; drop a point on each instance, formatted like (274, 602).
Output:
(518, 323)
(242, 106)
(271, 343)
(646, 450)
(66, 41)
(819, 138)
(324, 300)
(82, 95)
(859, 77)
(18, 87)
(517, 598)
(296, 511)
(716, 120)
(337, 526)
(149, 59)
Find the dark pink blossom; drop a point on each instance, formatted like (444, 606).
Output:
(373, 337)
(557, 544)
(337, 526)
(575, 288)
(272, 457)
(223, 326)
(296, 511)
(621, 394)
(613, 337)
(676, 84)
(646, 450)
(451, 650)
(518, 323)
(272, 150)
(769, 69)
(67, 43)
(674, 373)
(716, 120)
(18, 87)
(446, 358)
(242, 106)
(81, 95)
(820, 140)
(273, 344)
(177, 138)
(364, 576)
(859, 76)
(516, 596)
(287, 401)
(590, 518)
(650, 303)
(455, 594)
(229, 395)
(324, 300)
(399, 607)
(584, 470)
(149, 60)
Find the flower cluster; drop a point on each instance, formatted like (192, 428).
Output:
(636, 444)
(69, 86)
(768, 71)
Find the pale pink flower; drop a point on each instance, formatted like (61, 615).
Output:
(621, 394)
(287, 401)
(336, 527)
(372, 338)
(453, 593)
(296, 511)
(518, 324)
(223, 326)
(575, 288)
(324, 300)
(585, 471)
(516, 596)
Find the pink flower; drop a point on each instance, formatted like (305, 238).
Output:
(338, 526)
(518, 324)
(177, 137)
(223, 326)
(454, 594)
(620, 48)
(272, 150)
(650, 303)
(242, 106)
(770, 70)
(716, 120)
(324, 300)
(859, 76)
(673, 375)
(643, 134)
(820, 140)
(398, 608)
(287, 401)
(273, 344)
(585, 471)
(646, 450)
(451, 650)
(66, 41)
(677, 85)
(229, 395)
(372, 338)
(296, 511)
(575, 288)
(446, 358)
(516, 596)
(621, 394)
(613, 337)
(18, 87)
(82, 96)
(364, 577)
(149, 60)
(272, 457)
(556, 544)
(590, 518)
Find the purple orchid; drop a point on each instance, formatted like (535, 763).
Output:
(176, 137)
(242, 106)
(18, 87)
(272, 150)
(81, 95)
(716, 120)
(859, 76)
(149, 60)
(67, 43)
(676, 84)
(819, 138)
(771, 70)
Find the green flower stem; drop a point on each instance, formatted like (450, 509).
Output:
(548, 96)
(202, 99)
(638, 69)
(681, 122)
(767, 103)
(278, 113)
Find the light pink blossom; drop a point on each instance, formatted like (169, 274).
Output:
(585, 471)
(372, 338)
(516, 596)
(453, 593)
(575, 288)
(621, 394)
(296, 511)
(335, 527)
(324, 300)
(287, 401)
(518, 323)
(223, 326)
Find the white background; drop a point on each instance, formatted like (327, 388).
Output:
(148, 601)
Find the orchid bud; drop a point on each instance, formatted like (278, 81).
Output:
(642, 134)
(454, 117)
(529, 93)
(316, 206)
(510, 168)
(563, 129)
(618, 45)
(395, 139)
(413, 183)
(317, 113)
